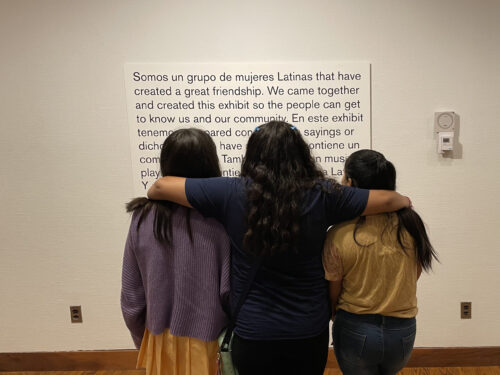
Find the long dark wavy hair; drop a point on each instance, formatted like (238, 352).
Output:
(185, 153)
(279, 167)
(369, 169)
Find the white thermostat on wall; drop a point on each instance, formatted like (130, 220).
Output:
(444, 121)
(444, 126)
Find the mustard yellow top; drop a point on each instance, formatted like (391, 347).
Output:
(376, 279)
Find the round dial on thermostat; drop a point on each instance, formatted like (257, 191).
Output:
(445, 120)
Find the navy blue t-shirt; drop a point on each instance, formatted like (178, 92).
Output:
(289, 297)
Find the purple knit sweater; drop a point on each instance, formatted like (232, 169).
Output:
(182, 286)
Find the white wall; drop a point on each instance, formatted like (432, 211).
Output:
(65, 153)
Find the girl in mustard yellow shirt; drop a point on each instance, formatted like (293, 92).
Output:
(372, 264)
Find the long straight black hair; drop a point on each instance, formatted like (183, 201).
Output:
(369, 169)
(185, 153)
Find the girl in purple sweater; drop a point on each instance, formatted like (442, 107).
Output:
(175, 280)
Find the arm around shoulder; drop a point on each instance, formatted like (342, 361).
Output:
(171, 189)
(380, 201)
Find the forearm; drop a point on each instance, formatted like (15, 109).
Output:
(380, 201)
(137, 330)
(134, 315)
(133, 295)
(137, 340)
(171, 189)
(334, 292)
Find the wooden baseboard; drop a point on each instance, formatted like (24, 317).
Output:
(126, 359)
(69, 361)
(445, 357)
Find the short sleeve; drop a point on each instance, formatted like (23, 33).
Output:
(346, 203)
(332, 263)
(209, 196)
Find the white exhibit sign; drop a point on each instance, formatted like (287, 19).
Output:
(328, 102)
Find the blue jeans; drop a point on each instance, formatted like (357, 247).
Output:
(372, 344)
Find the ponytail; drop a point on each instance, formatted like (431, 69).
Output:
(369, 169)
(410, 221)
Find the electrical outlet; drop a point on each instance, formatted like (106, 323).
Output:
(76, 314)
(466, 310)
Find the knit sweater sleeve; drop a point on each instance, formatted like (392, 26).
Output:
(225, 275)
(133, 296)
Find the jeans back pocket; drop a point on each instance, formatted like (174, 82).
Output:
(351, 345)
(407, 345)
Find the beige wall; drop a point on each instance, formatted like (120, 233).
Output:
(65, 156)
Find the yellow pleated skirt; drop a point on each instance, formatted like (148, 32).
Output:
(166, 354)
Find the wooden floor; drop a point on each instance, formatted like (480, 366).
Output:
(439, 371)
(409, 371)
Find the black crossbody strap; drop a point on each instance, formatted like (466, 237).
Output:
(241, 300)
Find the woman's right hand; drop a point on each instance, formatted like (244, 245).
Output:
(380, 201)
(171, 189)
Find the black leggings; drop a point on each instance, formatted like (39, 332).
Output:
(276, 357)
